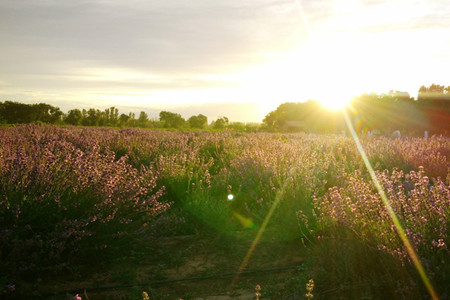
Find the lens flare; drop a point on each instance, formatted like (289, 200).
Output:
(261, 230)
(411, 252)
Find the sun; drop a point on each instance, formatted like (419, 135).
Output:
(335, 102)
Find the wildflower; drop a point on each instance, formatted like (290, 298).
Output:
(77, 297)
(145, 296)
(257, 291)
(309, 289)
(439, 243)
(11, 287)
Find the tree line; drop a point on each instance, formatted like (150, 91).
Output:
(380, 113)
(20, 113)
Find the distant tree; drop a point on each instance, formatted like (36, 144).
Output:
(15, 112)
(90, 117)
(143, 119)
(2, 120)
(73, 117)
(199, 121)
(111, 116)
(434, 104)
(252, 127)
(292, 116)
(397, 96)
(310, 116)
(385, 113)
(237, 126)
(436, 88)
(123, 120)
(220, 123)
(434, 91)
(171, 120)
(243, 127)
(423, 89)
(132, 122)
(46, 113)
(101, 118)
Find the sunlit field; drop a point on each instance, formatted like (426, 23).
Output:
(78, 203)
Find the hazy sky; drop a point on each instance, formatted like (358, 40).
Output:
(160, 54)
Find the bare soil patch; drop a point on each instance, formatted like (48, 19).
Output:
(194, 267)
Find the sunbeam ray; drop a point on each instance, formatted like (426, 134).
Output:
(411, 252)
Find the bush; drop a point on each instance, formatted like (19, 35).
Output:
(59, 200)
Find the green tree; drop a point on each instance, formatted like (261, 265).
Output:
(447, 90)
(46, 113)
(171, 120)
(112, 116)
(220, 123)
(15, 112)
(132, 120)
(434, 104)
(2, 120)
(91, 117)
(143, 119)
(73, 117)
(199, 121)
(309, 116)
(123, 120)
(434, 91)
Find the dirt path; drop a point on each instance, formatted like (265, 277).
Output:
(206, 267)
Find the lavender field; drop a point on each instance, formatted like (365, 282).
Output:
(74, 200)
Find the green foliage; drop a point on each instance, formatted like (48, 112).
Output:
(124, 119)
(434, 91)
(143, 119)
(309, 116)
(199, 122)
(220, 123)
(73, 117)
(14, 113)
(111, 116)
(384, 113)
(171, 120)
(243, 127)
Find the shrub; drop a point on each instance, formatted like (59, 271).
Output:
(59, 200)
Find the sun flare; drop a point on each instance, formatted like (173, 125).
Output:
(335, 102)
(329, 68)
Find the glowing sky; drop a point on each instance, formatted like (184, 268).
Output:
(160, 54)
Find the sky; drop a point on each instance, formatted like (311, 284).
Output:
(239, 59)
